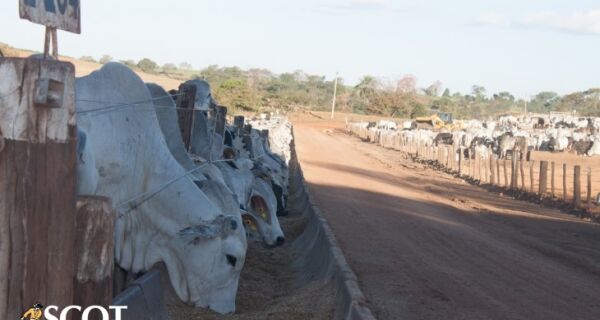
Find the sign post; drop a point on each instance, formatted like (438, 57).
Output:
(54, 14)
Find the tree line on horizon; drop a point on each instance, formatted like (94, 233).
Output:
(259, 90)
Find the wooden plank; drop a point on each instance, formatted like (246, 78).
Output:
(37, 186)
(94, 251)
(577, 187)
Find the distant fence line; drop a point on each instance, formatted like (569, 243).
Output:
(545, 179)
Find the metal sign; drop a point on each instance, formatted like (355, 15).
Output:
(59, 14)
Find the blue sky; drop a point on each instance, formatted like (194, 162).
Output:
(522, 46)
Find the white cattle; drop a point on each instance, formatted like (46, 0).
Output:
(595, 149)
(163, 215)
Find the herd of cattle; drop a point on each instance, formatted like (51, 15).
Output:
(193, 208)
(553, 132)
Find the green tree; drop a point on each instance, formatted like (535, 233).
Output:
(147, 65)
(105, 59)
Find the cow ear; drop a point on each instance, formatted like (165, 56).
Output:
(259, 207)
(250, 225)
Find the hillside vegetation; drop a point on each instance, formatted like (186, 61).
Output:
(262, 90)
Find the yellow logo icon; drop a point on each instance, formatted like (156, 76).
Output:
(34, 313)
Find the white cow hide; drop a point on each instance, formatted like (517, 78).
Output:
(173, 221)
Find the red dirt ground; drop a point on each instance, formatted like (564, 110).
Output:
(426, 245)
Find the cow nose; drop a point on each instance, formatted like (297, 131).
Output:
(280, 240)
(231, 259)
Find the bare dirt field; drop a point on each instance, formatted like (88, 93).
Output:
(426, 245)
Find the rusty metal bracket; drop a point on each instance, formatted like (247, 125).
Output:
(48, 93)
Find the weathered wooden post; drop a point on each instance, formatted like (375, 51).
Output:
(565, 182)
(460, 161)
(543, 178)
(238, 123)
(37, 184)
(522, 169)
(552, 188)
(185, 112)
(589, 187)
(94, 251)
(577, 187)
(513, 173)
(492, 175)
(505, 173)
(486, 176)
(221, 119)
(498, 170)
(531, 177)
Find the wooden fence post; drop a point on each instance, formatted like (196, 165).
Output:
(531, 177)
(238, 123)
(37, 184)
(577, 187)
(94, 251)
(521, 167)
(565, 182)
(552, 188)
(589, 187)
(505, 173)
(492, 177)
(185, 112)
(498, 170)
(513, 176)
(486, 175)
(543, 178)
(460, 158)
(221, 120)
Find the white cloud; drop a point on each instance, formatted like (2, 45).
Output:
(578, 22)
(587, 22)
(352, 5)
(494, 19)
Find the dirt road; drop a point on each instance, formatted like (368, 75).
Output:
(426, 245)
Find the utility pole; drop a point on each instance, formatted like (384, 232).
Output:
(334, 96)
